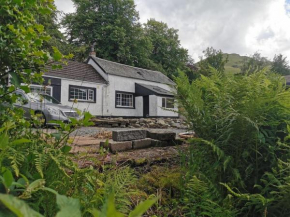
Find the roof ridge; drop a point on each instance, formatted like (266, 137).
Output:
(129, 65)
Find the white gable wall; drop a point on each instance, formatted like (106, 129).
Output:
(117, 83)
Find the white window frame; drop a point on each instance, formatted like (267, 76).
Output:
(89, 91)
(167, 98)
(122, 94)
(42, 87)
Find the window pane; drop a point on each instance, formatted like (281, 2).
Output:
(163, 103)
(91, 95)
(124, 100)
(169, 103)
(83, 94)
(41, 90)
(118, 99)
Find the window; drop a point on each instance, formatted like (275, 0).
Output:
(41, 89)
(82, 94)
(124, 100)
(168, 103)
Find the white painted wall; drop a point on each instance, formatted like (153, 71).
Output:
(93, 108)
(117, 83)
(164, 112)
(153, 105)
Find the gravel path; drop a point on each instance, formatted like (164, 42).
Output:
(90, 131)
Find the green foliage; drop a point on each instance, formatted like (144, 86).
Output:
(167, 53)
(109, 209)
(113, 26)
(280, 65)
(38, 175)
(213, 59)
(22, 37)
(199, 200)
(241, 122)
(254, 64)
(167, 184)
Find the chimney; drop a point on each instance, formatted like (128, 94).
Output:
(92, 52)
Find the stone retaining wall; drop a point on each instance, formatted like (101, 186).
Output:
(163, 123)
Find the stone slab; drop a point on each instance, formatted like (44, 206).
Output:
(115, 147)
(159, 143)
(163, 136)
(142, 143)
(129, 135)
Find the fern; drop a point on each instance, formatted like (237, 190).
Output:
(40, 162)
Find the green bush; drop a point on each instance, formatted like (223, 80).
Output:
(243, 148)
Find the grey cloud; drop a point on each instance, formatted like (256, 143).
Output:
(222, 24)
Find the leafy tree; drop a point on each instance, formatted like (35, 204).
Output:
(253, 64)
(280, 65)
(22, 56)
(213, 59)
(51, 27)
(113, 25)
(167, 53)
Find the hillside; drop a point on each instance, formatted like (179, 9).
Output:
(235, 62)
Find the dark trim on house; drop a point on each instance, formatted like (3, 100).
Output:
(117, 91)
(96, 63)
(141, 90)
(83, 87)
(55, 83)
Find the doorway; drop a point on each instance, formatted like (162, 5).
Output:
(145, 106)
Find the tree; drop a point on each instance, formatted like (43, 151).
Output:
(253, 64)
(113, 25)
(22, 56)
(167, 53)
(280, 65)
(213, 59)
(51, 27)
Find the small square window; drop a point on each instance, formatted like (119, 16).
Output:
(124, 100)
(168, 103)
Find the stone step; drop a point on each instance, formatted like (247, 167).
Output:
(129, 135)
(115, 147)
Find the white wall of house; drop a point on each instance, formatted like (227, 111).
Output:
(118, 83)
(165, 112)
(153, 105)
(93, 108)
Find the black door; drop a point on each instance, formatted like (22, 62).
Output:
(146, 106)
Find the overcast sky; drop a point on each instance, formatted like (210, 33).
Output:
(234, 26)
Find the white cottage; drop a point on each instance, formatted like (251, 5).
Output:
(110, 89)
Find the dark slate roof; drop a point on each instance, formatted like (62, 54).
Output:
(145, 89)
(77, 71)
(287, 77)
(118, 69)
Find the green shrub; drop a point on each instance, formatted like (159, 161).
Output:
(241, 122)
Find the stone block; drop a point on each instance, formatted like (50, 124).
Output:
(142, 143)
(159, 143)
(117, 146)
(163, 136)
(129, 135)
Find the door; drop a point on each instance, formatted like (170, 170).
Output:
(145, 106)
